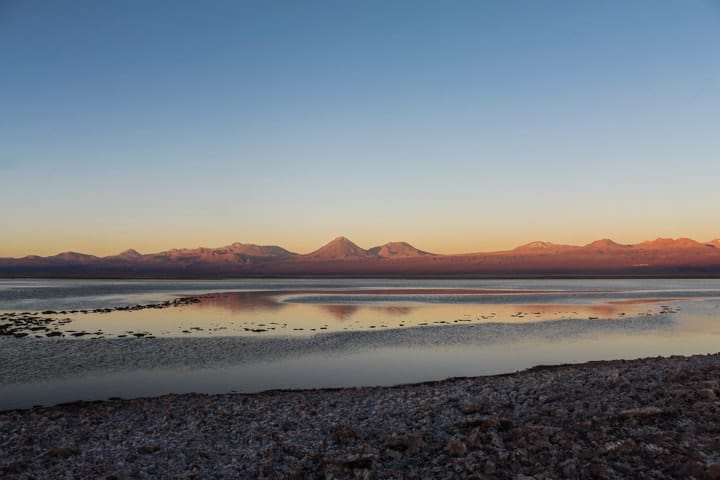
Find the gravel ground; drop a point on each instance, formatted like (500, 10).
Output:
(651, 418)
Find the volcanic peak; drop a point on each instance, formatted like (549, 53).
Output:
(337, 249)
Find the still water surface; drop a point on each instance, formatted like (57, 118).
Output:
(251, 335)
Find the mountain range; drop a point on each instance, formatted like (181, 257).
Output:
(663, 256)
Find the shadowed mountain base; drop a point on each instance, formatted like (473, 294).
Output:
(341, 257)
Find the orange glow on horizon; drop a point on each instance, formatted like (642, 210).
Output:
(103, 245)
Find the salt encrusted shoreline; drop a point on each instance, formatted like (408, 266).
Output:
(650, 418)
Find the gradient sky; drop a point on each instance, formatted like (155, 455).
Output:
(457, 126)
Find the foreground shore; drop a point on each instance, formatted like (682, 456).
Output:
(650, 418)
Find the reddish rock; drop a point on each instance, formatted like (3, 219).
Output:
(456, 448)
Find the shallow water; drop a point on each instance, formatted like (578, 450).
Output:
(251, 335)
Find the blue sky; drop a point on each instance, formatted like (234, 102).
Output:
(457, 126)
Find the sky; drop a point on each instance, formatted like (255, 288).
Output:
(458, 126)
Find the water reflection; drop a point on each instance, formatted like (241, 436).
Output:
(113, 367)
(272, 301)
(268, 313)
(81, 357)
(340, 312)
(357, 335)
(240, 301)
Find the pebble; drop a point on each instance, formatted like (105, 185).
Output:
(660, 422)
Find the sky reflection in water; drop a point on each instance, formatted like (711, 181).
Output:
(351, 337)
(302, 313)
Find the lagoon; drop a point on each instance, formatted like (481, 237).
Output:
(249, 335)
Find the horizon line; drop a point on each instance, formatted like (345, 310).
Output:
(540, 244)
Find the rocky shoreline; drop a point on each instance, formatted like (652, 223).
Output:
(649, 418)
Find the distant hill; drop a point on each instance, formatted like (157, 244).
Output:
(397, 250)
(253, 250)
(662, 256)
(605, 244)
(543, 247)
(670, 244)
(130, 254)
(72, 257)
